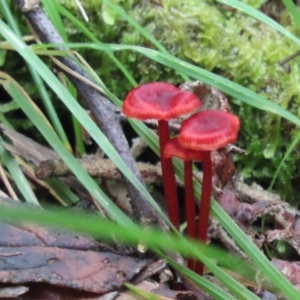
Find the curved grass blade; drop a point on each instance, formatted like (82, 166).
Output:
(261, 17)
(52, 11)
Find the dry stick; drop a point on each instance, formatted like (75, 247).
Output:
(97, 168)
(101, 107)
(289, 58)
(7, 184)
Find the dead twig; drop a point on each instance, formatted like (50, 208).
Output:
(98, 168)
(7, 184)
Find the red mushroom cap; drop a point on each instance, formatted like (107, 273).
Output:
(174, 149)
(159, 100)
(209, 130)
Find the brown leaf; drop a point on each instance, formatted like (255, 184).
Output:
(30, 236)
(32, 254)
(89, 271)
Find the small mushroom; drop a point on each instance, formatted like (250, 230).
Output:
(162, 101)
(206, 131)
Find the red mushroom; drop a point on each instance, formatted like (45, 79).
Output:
(206, 131)
(162, 101)
(174, 149)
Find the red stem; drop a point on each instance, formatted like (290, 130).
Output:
(204, 205)
(189, 204)
(189, 199)
(168, 175)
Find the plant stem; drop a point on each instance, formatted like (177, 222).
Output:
(189, 199)
(168, 174)
(189, 204)
(204, 204)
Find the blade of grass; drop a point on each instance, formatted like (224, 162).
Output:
(292, 8)
(51, 9)
(89, 125)
(17, 175)
(261, 17)
(278, 280)
(63, 191)
(265, 19)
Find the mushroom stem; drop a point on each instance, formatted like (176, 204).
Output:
(204, 204)
(189, 199)
(189, 204)
(168, 174)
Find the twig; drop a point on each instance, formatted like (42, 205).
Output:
(7, 184)
(100, 106)
(289, 58)
(98, 168)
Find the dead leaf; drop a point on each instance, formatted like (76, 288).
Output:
(35, 254)
(90, 271)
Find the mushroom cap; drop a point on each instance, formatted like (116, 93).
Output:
(174, 149)
(159, 100)
(209, 130)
